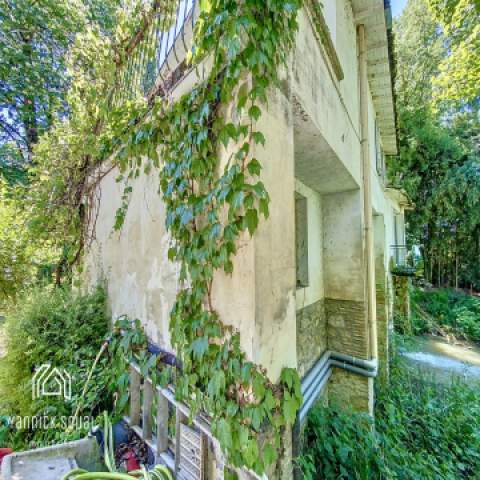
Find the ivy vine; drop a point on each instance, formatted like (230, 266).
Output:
(209, 206)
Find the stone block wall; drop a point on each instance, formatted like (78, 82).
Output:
(311, 335)
(349, 390)
(347, 327)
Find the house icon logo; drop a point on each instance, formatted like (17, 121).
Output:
(51, 381)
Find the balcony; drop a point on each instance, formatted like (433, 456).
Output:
(158, 52)
(403, 261)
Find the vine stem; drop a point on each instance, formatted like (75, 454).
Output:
(90, 373)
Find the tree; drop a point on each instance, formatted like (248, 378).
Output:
(419, 49)
(458, 81)
(47, 47)
(439, 159)
(34, 39)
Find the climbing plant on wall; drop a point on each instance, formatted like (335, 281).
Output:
(202, 147)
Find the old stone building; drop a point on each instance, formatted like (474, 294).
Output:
(313, 288)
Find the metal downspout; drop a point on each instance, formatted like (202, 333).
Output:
(367, 198)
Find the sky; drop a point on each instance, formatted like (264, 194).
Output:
(397, 6)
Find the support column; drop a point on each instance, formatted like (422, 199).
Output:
(381, 296)
(274, 243)
(345, 296)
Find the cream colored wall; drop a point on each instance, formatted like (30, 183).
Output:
(332, 105)
(315, 290)
(141, 282)
(260, 297)
(274, 243)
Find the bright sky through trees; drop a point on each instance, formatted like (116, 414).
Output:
(398, 6)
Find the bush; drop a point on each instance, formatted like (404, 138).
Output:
(421, 431)
(65, 329)
(448, 308)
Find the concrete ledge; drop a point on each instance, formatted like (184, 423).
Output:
(50, 463)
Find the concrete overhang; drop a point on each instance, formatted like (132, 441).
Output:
(399, 196)
(376, 16)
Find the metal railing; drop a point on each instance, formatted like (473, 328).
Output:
(403, 260)
(161, 51)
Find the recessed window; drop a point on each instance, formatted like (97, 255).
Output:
(301, 240)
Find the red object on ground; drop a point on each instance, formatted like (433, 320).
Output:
(4, 452)
(131, 461)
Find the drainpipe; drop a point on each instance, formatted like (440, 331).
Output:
(367, 198)
(316, 379)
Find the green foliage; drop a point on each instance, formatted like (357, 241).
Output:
(419, 48)
(65, 329)
(421, 431)
(249, 412)
(20, 258)
(446, 308)
(33, 78)
(340, 445)
(202, 146)
(210, 204)
(460, 69)
(439, 157)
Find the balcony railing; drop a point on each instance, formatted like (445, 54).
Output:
(159, 55)
(403, 261)
(182, 443)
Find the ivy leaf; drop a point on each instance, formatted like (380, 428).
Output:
(242, 96)
(250, 453)
(216, 385)
(251, 218)
(258, 137)
(199, 346)
(254, 167)
(263, 207)
(257, 418)
(224, 434)
(290, 407)
(258, 387)
(254, 112)
(269, 454)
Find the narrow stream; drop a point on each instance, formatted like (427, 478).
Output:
(435, 355)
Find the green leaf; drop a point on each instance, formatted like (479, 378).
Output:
(258, 137)
(242, 96)
(254, 112)
(269, 454)
(290, 408)
(251, 218)
(224, 433)
(254, 167)
(199, 346)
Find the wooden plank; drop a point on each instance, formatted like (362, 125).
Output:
(135, 407)
(147, 410)
(162, 423)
